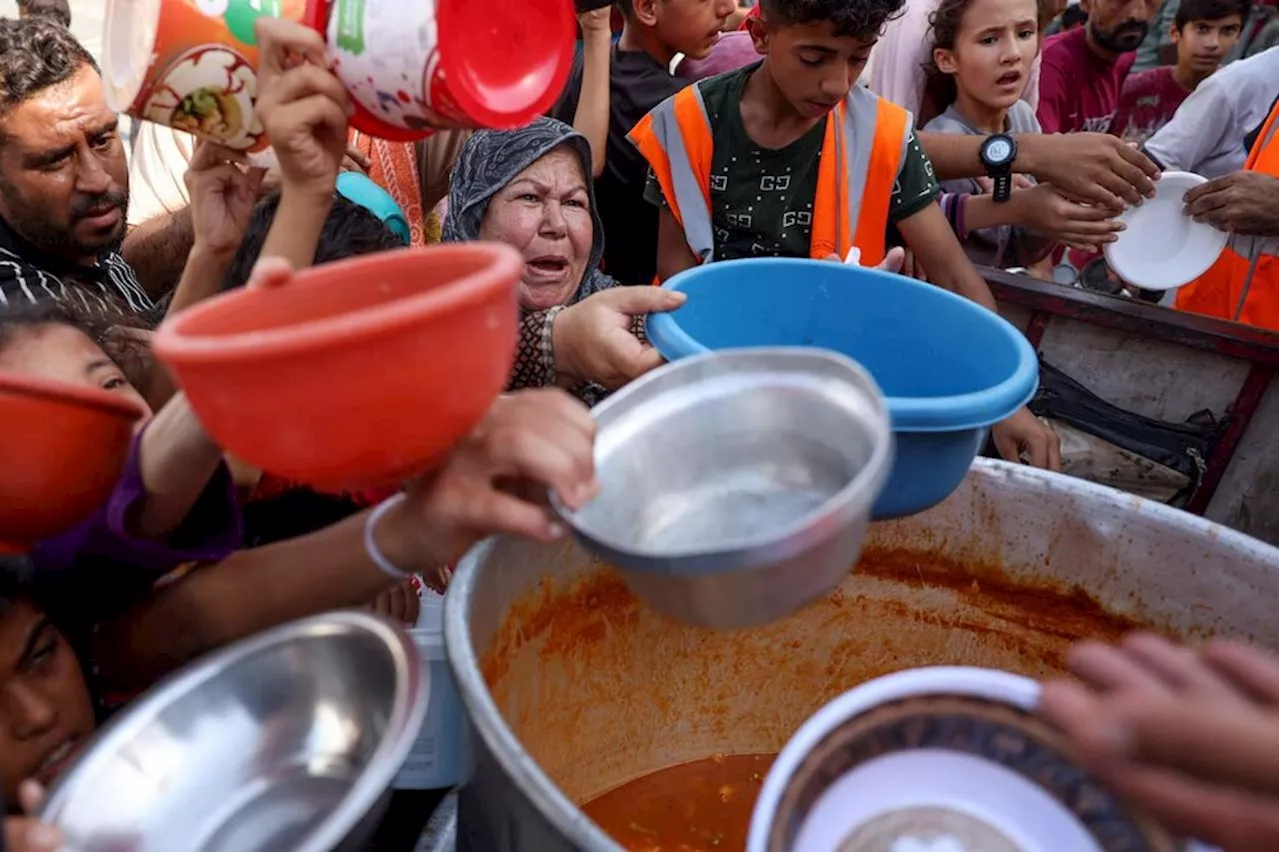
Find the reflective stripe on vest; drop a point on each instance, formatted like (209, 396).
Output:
(864, 146)
(1226, 290)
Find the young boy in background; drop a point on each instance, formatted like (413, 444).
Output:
(1204, 33)
(789, 157)
(639, 78)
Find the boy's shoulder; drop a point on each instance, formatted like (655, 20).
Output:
(728, 84)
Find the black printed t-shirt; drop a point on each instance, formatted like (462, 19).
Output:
(762, 198)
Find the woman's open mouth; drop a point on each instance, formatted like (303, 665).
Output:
(548, 266)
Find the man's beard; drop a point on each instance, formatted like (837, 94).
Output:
(54, 239)
(1125, 38)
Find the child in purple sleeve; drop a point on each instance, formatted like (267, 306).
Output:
(175, 501)
(210, 531)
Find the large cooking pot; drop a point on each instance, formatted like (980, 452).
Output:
(574, 688)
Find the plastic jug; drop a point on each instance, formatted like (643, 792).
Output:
(439, 755)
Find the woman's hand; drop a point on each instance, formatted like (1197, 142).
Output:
(302, 106)
(223, 192)
(1024, 435)
(1047, 212)
(529, 441)
(1190, 736)
(593, 340)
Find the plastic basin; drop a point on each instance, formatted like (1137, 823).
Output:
(948, 367)
(62, 452)
(352, 374)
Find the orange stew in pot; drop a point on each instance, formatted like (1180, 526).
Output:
(703, 806)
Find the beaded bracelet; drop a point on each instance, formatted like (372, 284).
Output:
(546, 348)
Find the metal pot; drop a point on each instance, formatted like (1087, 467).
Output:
(574, 688)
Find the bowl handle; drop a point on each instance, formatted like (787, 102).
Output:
(270, 273)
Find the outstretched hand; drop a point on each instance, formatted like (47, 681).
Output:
(1189, 735)
(1022, 437)
(594, 340)
(1094, 168)
(530, 442)
(302, 105)
(223, 189)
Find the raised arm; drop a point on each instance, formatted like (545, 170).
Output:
(1094, 167)
(591, 118)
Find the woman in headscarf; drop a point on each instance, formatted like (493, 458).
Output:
(531, 189)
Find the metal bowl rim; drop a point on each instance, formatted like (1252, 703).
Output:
(408, 708)
(855, 497)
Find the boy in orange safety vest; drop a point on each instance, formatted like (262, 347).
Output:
(789, 157)
(1243, 284)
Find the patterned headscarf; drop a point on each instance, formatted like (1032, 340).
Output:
(491, 159)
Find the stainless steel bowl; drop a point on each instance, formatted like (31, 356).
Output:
(286, 741)
(736, 486)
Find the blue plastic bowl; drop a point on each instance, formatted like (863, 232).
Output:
(949, 368)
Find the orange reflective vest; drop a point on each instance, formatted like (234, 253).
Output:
(862, 152)
(1219, 291)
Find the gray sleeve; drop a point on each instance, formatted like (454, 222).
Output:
(1189, 139)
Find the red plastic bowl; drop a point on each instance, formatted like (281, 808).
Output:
(359, 373)
(62, 452)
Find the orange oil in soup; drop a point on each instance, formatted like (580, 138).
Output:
(703, 806)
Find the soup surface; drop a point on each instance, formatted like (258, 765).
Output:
(623, 708)
(694, 807)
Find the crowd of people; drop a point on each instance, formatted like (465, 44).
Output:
(926, 136)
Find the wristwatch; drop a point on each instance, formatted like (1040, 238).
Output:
(997, 154)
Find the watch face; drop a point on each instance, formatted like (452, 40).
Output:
(998, 150)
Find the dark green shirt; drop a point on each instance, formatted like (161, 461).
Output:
(762, 198)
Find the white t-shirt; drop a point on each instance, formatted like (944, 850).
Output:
(898, 59)
(160, 159)
(1206, 134)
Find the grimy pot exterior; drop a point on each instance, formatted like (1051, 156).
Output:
(607, 691)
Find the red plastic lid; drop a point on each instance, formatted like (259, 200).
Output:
(506, 63)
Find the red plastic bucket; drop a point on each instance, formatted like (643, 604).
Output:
(416, 66)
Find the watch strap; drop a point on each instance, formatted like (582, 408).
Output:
(1003, 185)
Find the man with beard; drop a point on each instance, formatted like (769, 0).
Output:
(64, 183)
(1083, 70)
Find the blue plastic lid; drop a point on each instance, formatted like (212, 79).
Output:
(362, 190)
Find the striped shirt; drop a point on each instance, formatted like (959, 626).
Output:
(108, 287)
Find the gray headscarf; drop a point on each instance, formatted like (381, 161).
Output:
(491, 159)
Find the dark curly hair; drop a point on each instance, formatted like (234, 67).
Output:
(130, 355)
(36, 53)
(57, 10)
(861, 19)
(1210, 10)
(349, 230)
